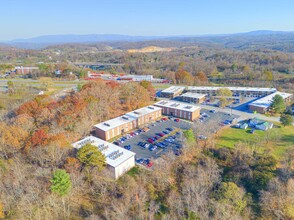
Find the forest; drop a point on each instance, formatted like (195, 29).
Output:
(43, 177)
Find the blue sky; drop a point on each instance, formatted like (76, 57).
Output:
(30, 18)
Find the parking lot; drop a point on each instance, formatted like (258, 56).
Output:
(170, 139)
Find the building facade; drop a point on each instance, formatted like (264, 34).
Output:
(263, 105)
(236, 91)
(179, 110)
(118, 160)
(172, 92)
(123, 124)
(191, 97)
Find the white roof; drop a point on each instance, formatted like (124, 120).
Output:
(174, 89)
(115, 122)
(266, 101)
(143, 111)
(177, 105)
(193, 95)
(249, 89)
(115, 155)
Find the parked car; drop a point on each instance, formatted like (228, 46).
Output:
(164, 119)
(140, 161)
(141, 144)
(177, 120)
(160, 134)
(152, 147)
(146, 145)
(128, 147)
(150, 141)
(212, 111)
(169, 129)
(165, 132)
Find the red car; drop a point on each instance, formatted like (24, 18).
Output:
(150, 141)
(177, 120)
(160, 134)
(164, 119)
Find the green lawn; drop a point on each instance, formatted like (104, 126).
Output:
(277, 140)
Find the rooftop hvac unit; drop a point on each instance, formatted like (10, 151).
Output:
(117, 156)
(150, 107)
(124, 117)
(188, 107)
(106, 124)
(137, 113)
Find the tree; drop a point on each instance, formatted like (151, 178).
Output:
(61, 183)
(224, 94)
(150, 88)
(90, 156)
(268, 75)
(229, 193)
(286, 120)
(278, 104)
(189, 135)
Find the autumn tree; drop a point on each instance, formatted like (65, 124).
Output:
(224, 95)
(201, 77)
(90, 156)
(60, 182)
(149, 87)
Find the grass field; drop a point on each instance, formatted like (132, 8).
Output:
(277, 140)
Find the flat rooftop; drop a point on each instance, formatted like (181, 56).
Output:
(174, 89)
(266, 101)
(143, 111)
(115, 155)
(249, 89)
(115, 122)
(177, 105)
(193, 95)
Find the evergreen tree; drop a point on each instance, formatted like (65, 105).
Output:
(278, 104)
(61, 183)
(286, 119)
(89, 155)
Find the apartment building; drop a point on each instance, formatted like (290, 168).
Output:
(172, 91)
(237, 91)
(118, 160)
(263, 105)
(191, 97)
(180, 110)
(123, 124)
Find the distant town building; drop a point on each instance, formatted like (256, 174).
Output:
(263, 105)
(123, 124)
(180, 110)
(191, 97)
(136, 78)
(172, 91)
(119, 160)
(25, 70)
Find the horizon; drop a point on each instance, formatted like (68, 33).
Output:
(32, 19)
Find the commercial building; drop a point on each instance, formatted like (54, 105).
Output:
(172, 91)
(119, 160)
(191, 97)
(25, 70)
(137, 78)
(262, 105)
(237, 91)
(123, 124)
(180, 110)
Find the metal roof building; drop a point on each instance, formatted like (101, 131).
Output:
(119, 160)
